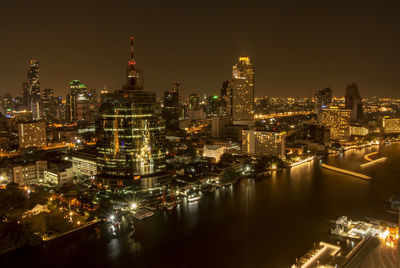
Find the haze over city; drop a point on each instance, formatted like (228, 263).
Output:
(199, 134)
(297, 47)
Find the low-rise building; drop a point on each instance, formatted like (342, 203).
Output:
(28, 173)
(84, 164)
(59, 175)
(213, 151)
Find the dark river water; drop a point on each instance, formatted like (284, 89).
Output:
(266, 223)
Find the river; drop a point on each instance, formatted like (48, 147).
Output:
(265, 223)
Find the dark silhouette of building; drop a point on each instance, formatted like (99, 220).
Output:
(353, 102)
(171, 110)
(323, 98)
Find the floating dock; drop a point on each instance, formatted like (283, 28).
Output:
(370, 161)
(348, 172)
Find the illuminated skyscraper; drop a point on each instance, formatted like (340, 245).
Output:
(242, 84)
(131, 134)
(353, 101)
(31, 89)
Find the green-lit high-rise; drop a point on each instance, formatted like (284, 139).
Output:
(131, 134)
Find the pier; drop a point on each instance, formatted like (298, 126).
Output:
(371, 161)
(348, 172)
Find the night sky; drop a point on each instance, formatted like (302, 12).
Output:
(297, 46)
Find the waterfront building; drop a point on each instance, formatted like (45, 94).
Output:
(337, 120)
(256, 142)
(131, 134)
(242, 85)
(323, 98)
(32, 134)
(391, 125)
(358, 130)
(353, 101)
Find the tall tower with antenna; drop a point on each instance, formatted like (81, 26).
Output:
(134, 74)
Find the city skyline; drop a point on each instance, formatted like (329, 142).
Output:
(310, 46)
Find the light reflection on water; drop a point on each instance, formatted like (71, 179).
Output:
(265, 223)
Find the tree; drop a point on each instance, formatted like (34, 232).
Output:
(191, 151)
(227, 158)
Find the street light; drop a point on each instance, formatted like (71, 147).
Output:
(133, 206)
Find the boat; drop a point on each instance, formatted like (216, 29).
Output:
(194, 197)
(142, 215)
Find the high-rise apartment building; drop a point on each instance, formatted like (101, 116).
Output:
(131, 134)
(242, 84)
(337, 120)
(256, 142)
(32, 134)
(353, 101)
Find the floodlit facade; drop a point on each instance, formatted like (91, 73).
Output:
(242, 85)
(256, 142)
(338, 121)
(391, 125)
(214, 151)
(32, 134)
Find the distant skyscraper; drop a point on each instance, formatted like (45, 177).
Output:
(131, 134)
(226, 98)
(31, 89)
(323, 98)
(242, 84)
(353, 101)
(80, 102)
(47, 104)
(195, 111)
(171, 110)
